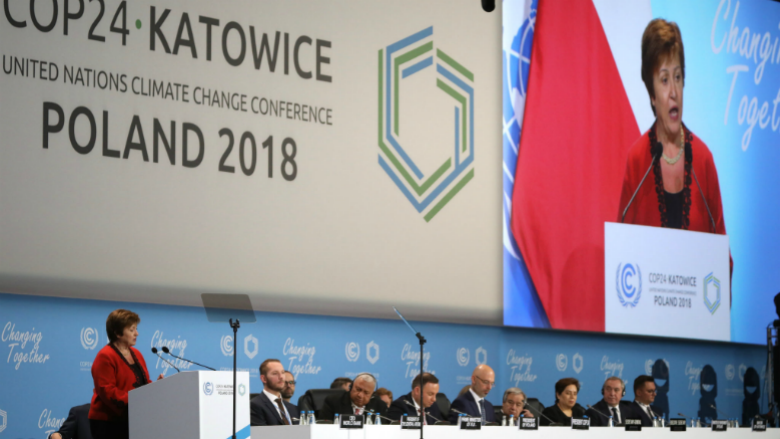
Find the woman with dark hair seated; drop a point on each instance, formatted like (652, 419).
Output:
(565, 406)
(118, 369)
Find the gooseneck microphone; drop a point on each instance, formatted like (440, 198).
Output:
(154, 351)
(167, 351)
(658, 152)
(716, 409)
(714, 230)
(683, 415)
(542, 415)
(597, 411)
(427, 413)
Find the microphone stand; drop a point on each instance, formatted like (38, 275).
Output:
(552, 424)
(168, 351)
(422, 361)
(235, 327)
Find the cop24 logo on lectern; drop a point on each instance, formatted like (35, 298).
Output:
(628, 282)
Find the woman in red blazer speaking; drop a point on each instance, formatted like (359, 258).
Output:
(118, 369)
(681, 190)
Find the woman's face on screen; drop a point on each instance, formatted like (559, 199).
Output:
(668, 100)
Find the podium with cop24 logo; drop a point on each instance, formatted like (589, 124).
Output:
(197, 404)
(666, 282)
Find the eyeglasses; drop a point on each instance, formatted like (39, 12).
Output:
(651, 391)
(292, 383)
(486, 382)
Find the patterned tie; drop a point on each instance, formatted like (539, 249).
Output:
(482, 408)
(281, 411)
(615, 415)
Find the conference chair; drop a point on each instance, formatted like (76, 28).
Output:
(444, 404)
(314, 399)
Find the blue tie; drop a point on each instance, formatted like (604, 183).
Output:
(482, 408)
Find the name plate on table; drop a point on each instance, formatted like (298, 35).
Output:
(633, 425)
(410, 422)
(351, 421)
(720, 425)
(470, 423)
(580, 424)
(677, 424)
(759, 425)
(529, 424)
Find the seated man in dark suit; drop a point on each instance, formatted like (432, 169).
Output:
(644, 392)
(409, 404)
(610, 405)
(76, 426)
(357, 401)
(513, 405)
(473, 402)
(268, 408)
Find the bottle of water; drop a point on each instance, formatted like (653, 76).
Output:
(611, 422)
(511, 420)
(303, 420)
(336, 419)
(503, 421)
(460, 419)
(655, 421)
(312, 419)
(377, 419)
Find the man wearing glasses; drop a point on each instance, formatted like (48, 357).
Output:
(473, 402)
(514, 405)
(289, 386)
(644, 391)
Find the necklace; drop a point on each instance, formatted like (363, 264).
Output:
(674, 160)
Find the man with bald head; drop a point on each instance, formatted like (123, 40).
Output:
(358, 400)
(473, 402)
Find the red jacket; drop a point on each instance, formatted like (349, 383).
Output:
(648, 208)
(114, 378)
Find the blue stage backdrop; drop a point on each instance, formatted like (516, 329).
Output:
(48, 345)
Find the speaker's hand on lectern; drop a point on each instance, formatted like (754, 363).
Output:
(160, 377)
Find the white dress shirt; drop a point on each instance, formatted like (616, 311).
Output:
(273, 399)
(477, 399)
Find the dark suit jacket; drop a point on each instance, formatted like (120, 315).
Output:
(341, 404)
(599, 420)
(76, 426)
(557, 416)
(466, 404)
(405, 406)
(638, 412)
(263, 411)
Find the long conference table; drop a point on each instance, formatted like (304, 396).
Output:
(325, 431)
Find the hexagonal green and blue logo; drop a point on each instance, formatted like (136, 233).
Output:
(405, 64)
(711, 293)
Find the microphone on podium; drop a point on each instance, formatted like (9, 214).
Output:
(167, 351)
(658, 150)
(154, 351)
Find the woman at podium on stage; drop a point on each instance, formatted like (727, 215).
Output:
(681, 187)
(118, 369)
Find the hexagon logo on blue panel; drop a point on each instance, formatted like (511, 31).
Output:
(711, 293)
(413, 62)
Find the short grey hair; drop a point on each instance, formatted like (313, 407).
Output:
(512, 391)
(365, 376)
(614, 378)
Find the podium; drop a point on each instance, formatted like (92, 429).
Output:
(666, 282)
(197, 404)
